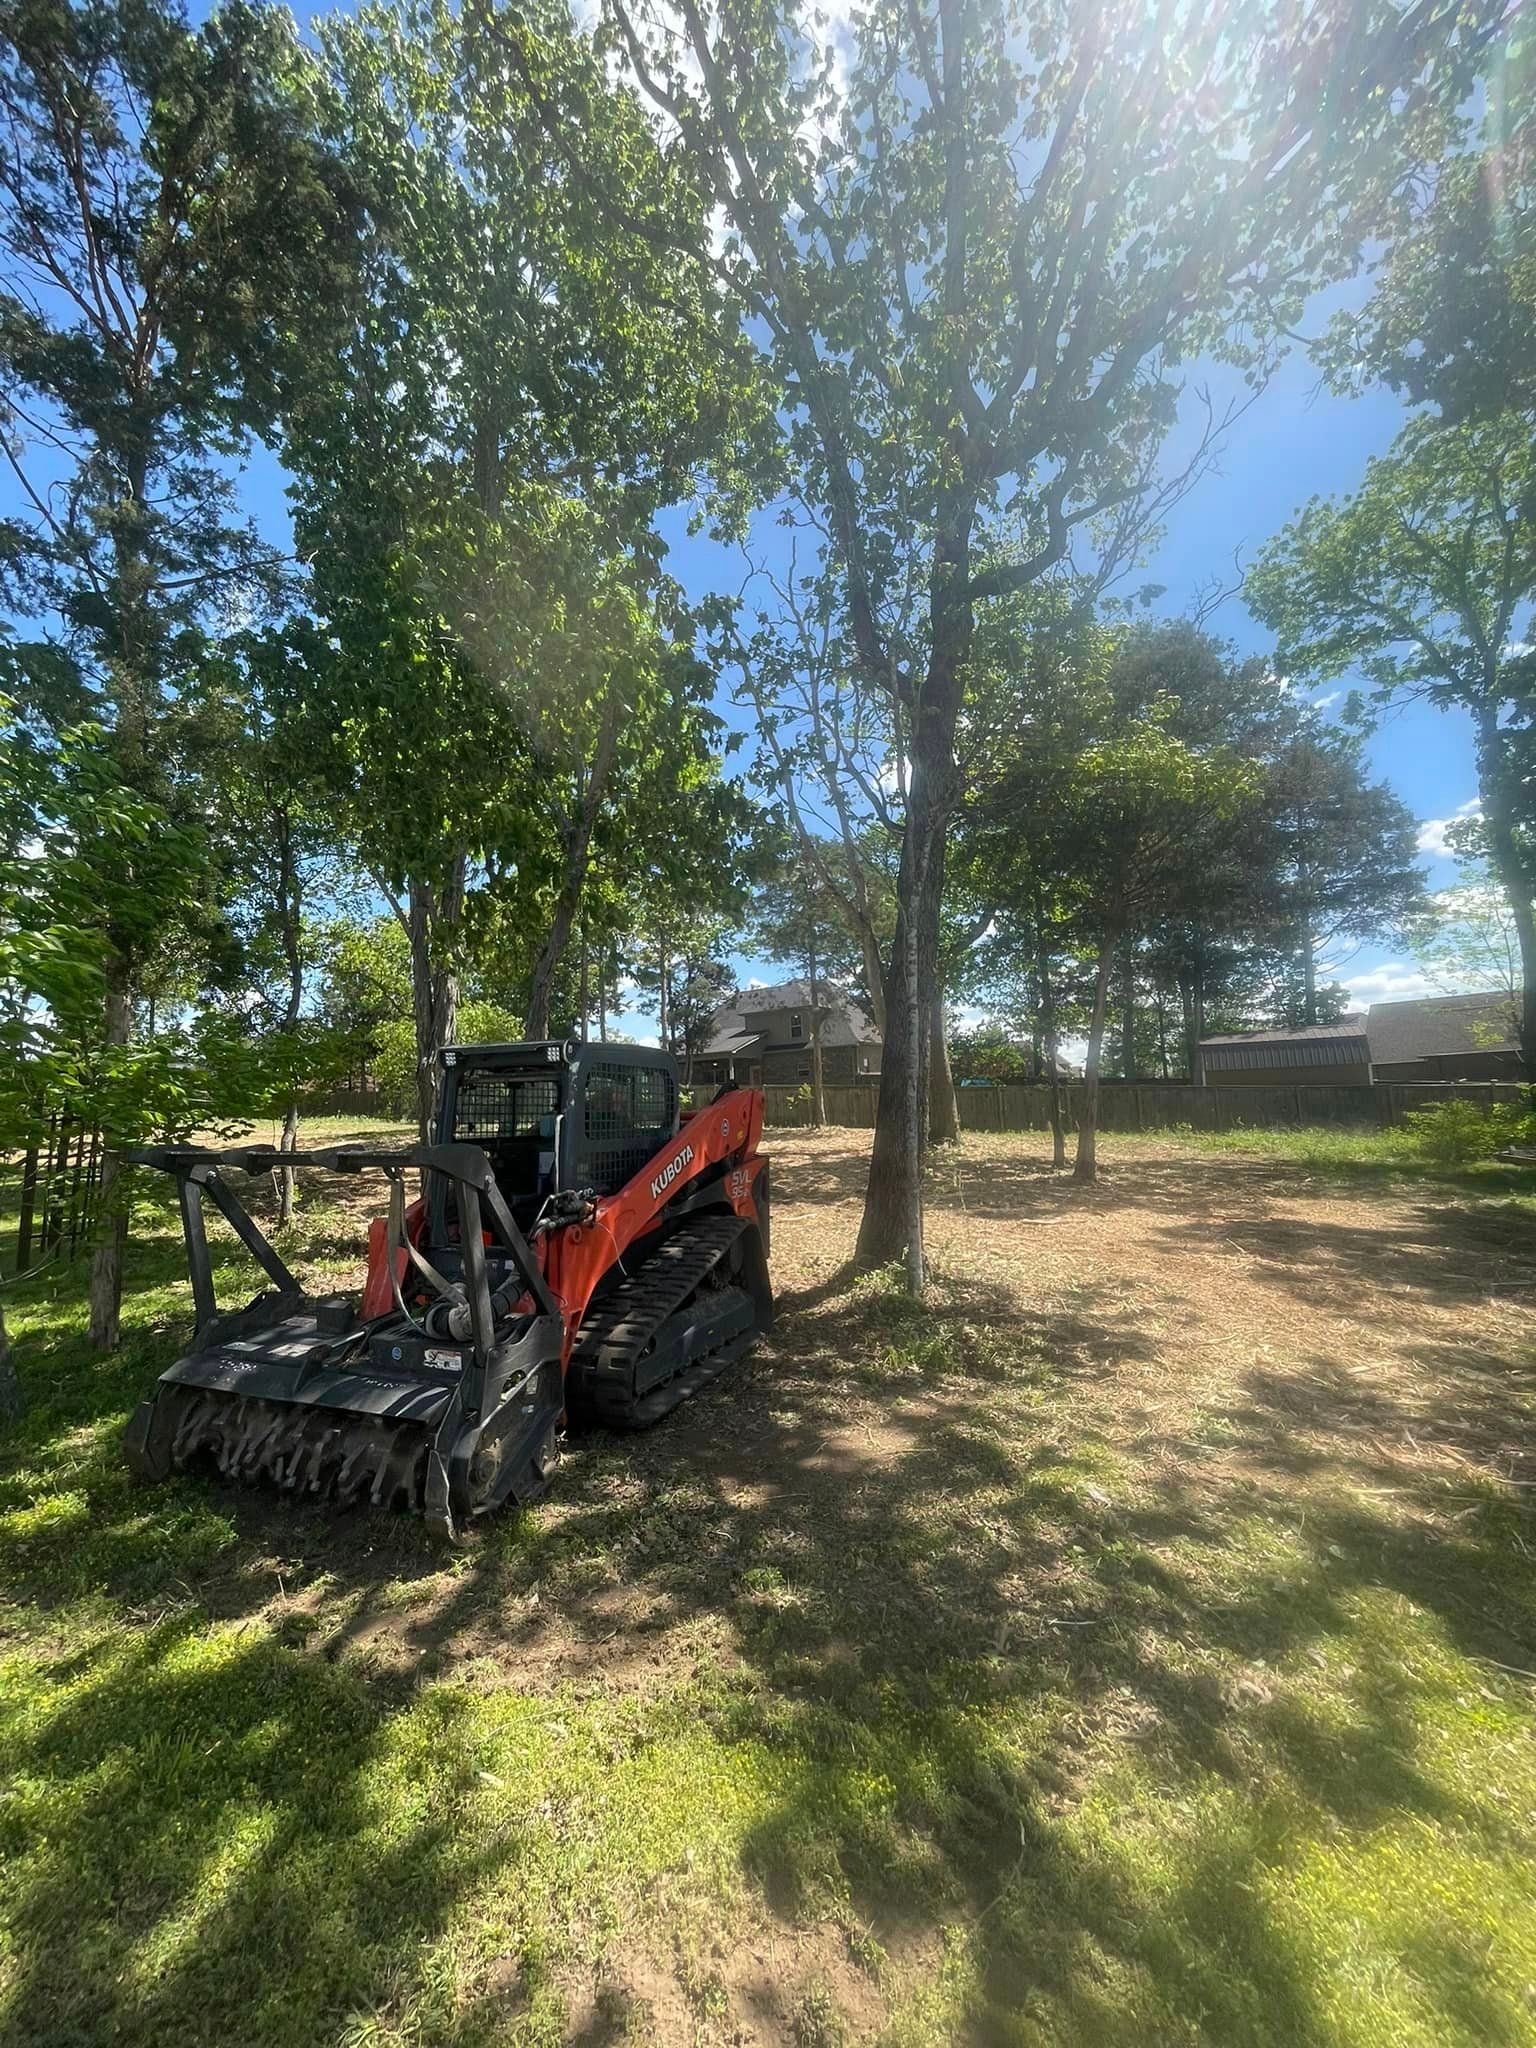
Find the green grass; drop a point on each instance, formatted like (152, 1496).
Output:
(1348, 1152)
(1036, 1747)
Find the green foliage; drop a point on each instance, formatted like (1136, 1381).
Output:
(1466, 938)
(1452, 319)
(1419, 580)
(503, 693)
(1454, 1133)
(393, 1058)
(1425, 580)
(1459, 1133)
(89, 855)
(990, 1054)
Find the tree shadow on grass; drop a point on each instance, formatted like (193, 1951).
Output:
(930, 1602)
(198, 1851)
(1450, 1251)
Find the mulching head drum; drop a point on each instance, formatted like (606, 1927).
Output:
(355, 1460)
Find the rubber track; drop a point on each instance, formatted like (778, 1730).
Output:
(618, 1330)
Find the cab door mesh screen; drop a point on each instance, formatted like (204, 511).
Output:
(627, 1113)
(492, 1105)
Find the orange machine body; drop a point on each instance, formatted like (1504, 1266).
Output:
(575, 1257)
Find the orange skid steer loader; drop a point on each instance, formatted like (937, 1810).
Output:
(575, 1253)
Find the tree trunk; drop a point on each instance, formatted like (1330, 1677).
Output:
(106, 1283)
(1504, 852)
(1086, 1167)
(1052, 1042)
(1128, 1008)
(1199, 1000)
(288, 1141)
(818, 1072)
(10, 1385)
(551, 955)
(53, 1181)
(1308, 976)
(28, 1209)
(577, 840)
(421, 1006)
(434, 916)
(943, 1109)
(586, 985)
(288, 909)
(874, 977)
(892, 1223)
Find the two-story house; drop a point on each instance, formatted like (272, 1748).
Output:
(762, 1036)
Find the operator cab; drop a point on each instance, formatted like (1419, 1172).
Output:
(554, 1115)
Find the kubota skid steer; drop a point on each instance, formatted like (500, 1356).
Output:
(574, 1252)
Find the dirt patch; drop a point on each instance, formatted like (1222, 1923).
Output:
(812, 1987)
(1220, 1323)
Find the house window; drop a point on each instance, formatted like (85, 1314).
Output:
(802, 1073)
(795, 1030)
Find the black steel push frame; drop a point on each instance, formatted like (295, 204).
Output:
(196, 1172)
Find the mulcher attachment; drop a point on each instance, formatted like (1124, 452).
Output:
(306, 1396)
(443, 1388)
(349, 1459)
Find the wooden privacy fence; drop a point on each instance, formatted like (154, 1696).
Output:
(1153, 1106)
(56, 1193)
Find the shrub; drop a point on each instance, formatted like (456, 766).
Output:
(1461, 1133)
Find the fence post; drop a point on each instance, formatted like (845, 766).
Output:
(28, 1209)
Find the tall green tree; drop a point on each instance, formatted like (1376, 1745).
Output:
(974, 269)
(1132, 806)
(1424, 581)
(1465, 937)
(286, 871)
(1342, 862)
(169, 217)
(506, 687)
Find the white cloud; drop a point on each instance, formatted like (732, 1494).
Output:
(1432, 832)
(1322, 703)
(1392, 982)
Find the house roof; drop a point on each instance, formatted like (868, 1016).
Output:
(783, 995)
(1351, 1026)
(730, 1036)
(842, 1021)
(1438, 1025)
(1309, 1045)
